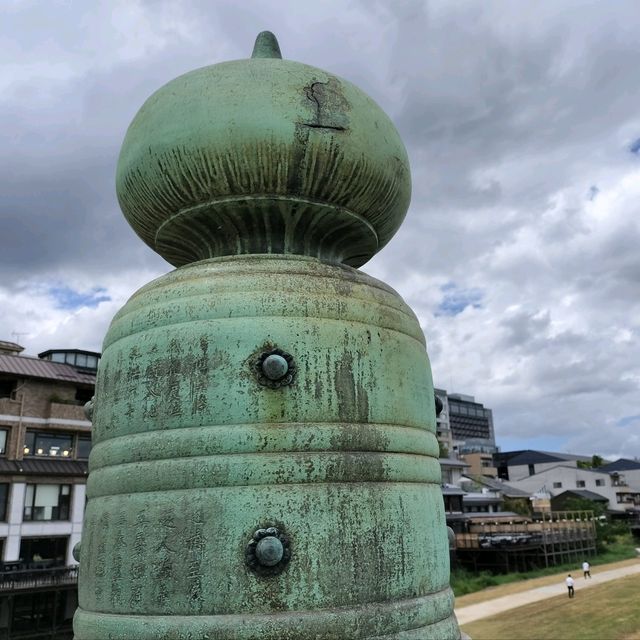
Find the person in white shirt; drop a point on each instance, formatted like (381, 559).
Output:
(569, 581)
(586, 569)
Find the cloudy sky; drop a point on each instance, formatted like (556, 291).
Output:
(521, 250)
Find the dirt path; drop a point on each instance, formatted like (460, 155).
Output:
(491, 607)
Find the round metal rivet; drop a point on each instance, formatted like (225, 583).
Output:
(269, 551)
(275, 367)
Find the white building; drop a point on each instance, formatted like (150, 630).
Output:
(516, 465)
(563, 477)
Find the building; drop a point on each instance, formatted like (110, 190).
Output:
(45, 441)
(443, 430)
(564, 500)
(627, 471)
(495, 528)
(480, 464)
(481, 489)
(464, 425)
(472, 424)
(621, 497)
(452, 470)
(516, 465)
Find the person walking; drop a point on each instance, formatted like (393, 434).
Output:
(569, 581)
(586, 569)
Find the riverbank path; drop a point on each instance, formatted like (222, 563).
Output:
(494, 606)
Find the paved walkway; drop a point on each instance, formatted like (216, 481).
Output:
(489, 608)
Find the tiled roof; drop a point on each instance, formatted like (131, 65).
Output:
(37, 368)
(506, 489)
(623, 464)
(453, 462)
(452, 490)
(43, 467)
(533, 457)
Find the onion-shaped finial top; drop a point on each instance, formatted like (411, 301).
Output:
(263, 155)
(266, 46)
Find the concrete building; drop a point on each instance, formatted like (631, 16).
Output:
(480, 464)
(563, 477)
(45, 441)
(516, 465)
(464, 425)
(627, 471)
(472, 424)
(452, 470)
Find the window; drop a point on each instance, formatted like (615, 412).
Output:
(503, 473)
(580, 484)
(599, 482)
(84, 447)
(3, 441)
(452, 503)
(557, 485)
(40, 443)
(617, 480)
(83, 395)
(57, 357)
(47, 502)
(532, 469)
(43, 552)
(7, 387)
(4, 501)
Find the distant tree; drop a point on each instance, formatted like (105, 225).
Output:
(444, 452)
(583, 504)
(521, 506)
(595, 462)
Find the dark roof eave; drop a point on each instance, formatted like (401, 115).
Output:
(44, 467)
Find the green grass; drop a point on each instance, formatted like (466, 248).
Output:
(607, 612)
(464, 581)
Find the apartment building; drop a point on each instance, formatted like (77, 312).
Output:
(45, 440)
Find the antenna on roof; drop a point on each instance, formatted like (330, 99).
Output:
(16, 335)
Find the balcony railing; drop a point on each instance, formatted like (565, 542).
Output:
(22, 579)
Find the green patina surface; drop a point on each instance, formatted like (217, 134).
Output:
(192, 452)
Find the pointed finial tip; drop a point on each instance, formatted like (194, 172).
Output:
(266, 46)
